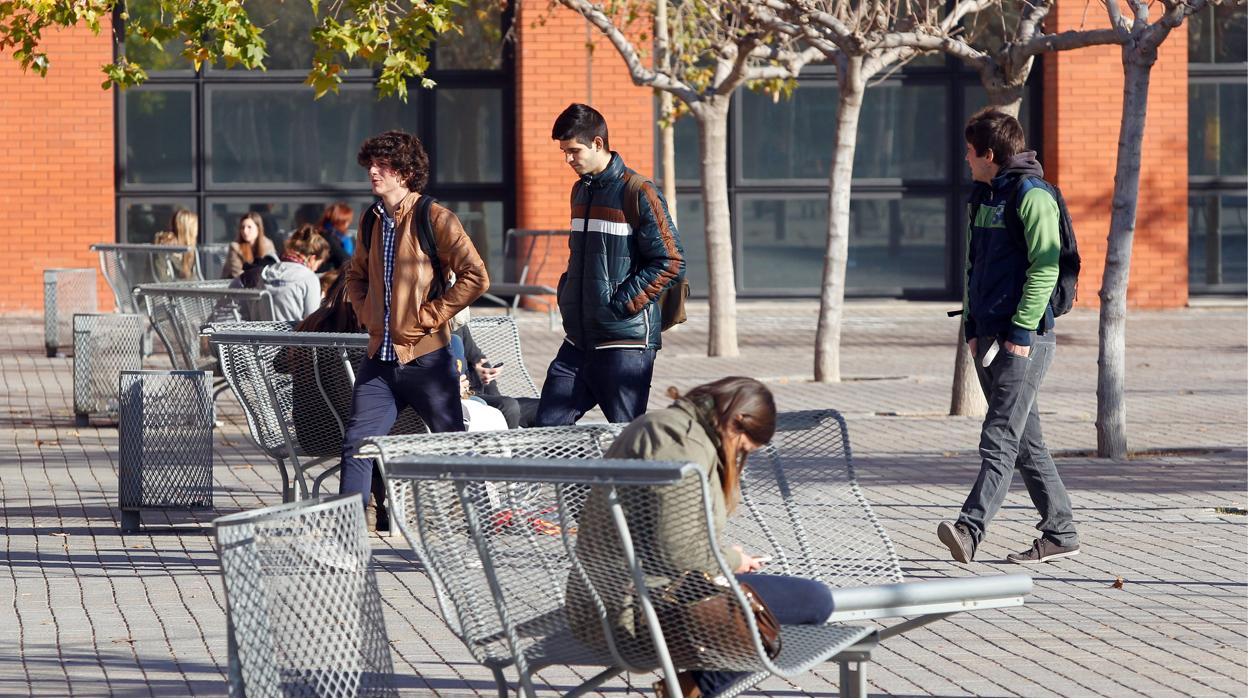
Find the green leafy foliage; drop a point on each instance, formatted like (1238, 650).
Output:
(395, 37)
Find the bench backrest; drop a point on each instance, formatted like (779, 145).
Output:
(304, 613)
(499, 339)
(180, 310)
(126, 266)
(802, 505)
(518, 583)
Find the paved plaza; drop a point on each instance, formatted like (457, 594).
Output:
(89, 612)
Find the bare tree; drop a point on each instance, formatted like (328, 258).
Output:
(714, 48)
(1004, 71)
(1140, 38)
(1012, 36)
(865, 40)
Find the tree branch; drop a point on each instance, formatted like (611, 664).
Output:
(640, 74)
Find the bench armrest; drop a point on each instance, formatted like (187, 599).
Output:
(938, 596)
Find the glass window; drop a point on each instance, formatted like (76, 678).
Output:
(469, 144)
(154, 59)
(692, 229)
(280, 135)
(481, 45)
(141, 219)
(159, 133)
(688, 151)
(896, 243)
(1219, 34)
(901, 133)
(1217, 129)
(789, 139)
(1217, 240)
(483, 221)
(280, 217)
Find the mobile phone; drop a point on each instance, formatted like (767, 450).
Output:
(990, 354)
(763, 558)
(497, 365)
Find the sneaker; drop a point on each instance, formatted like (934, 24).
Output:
(1042, 550)
(957, 537)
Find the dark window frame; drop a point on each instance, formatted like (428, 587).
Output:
(202, 190)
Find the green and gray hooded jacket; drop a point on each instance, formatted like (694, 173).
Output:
(1012, 261)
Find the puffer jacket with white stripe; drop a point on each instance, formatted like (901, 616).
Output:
(617, 268)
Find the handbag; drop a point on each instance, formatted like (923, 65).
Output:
(694, 608)
(672, 304)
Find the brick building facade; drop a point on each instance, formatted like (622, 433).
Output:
(59, 173)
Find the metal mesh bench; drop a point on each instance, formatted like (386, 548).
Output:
(295, 388)
(505, 539)
(128, 265)
(304, 616)
(801, 504)
(180, 310)
(212, 259)
(65, 292)
(104, 346)
(518, 247)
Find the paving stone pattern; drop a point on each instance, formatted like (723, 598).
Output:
(93, 613)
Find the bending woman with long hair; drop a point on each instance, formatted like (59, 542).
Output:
(715, 426)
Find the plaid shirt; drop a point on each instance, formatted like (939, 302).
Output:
(386, 353)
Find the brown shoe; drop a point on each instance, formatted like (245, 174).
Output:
(957, 537)
(1042, 550)
(688, 686)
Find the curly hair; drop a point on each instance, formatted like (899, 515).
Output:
(401, 152)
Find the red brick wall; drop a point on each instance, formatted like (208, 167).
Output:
(555, 66)
(56, 164)
(1082, 112)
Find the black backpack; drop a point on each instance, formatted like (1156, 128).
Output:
(1066, 291)
(424, 234)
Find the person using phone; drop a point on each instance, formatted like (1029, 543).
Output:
(714, 426)
(483, 379)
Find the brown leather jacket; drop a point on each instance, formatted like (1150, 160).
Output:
(417, 326)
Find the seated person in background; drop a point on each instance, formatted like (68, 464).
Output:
(334, 225)
(183, 230)
(478, 416)
(249, 246)
(483, 376)
(292, 282)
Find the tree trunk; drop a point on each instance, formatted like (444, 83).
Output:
(1111, 414)
(852, 84)
(667, 151)
(968, 399)
(712, 119)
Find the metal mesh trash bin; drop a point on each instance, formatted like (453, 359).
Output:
(165, 436)
(104, 345)
(303, 613)
(65, 292)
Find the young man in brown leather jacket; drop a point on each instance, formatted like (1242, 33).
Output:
(389, 280)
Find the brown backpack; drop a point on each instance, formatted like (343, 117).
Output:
(672, 299)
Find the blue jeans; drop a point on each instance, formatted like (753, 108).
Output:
(618, 380)
(793, 600)
(429, 384)
(1011, 439)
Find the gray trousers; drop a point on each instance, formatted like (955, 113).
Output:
(1011, 438)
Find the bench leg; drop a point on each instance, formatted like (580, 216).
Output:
(130, 521)
(853, 679)
(82, 419)
(500, 680)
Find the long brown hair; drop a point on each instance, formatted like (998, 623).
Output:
(250, 252)
(741, 405)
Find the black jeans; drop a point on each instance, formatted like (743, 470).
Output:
(429, 384)
(793, 600)
(1011, 438)
(616, 379)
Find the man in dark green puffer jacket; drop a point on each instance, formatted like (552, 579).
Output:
(623, 255)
